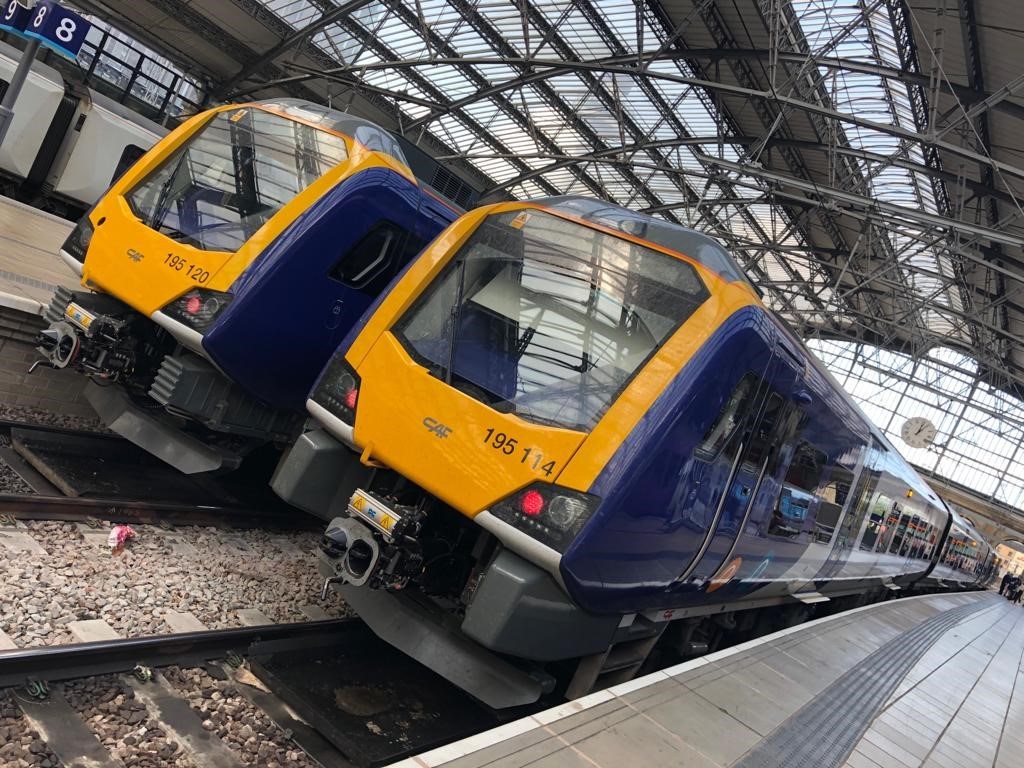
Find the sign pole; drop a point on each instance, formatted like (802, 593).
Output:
(17, 81)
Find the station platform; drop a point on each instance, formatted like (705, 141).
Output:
(30, 269)
(931, 681)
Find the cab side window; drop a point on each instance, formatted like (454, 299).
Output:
(378, 256)
(730, 418)
(370, 138)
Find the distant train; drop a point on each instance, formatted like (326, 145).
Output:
(572, 436)
(67, 143)
(225, 267)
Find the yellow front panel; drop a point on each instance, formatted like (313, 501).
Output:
(148, 270)
(452, 445)
(139, 265)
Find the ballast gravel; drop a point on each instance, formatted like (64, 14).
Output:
(10, 482)
(242, 726)
(209, 572)
(20, 745)
(123, 725)
(29, 415)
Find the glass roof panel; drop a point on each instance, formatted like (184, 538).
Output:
(572, 115)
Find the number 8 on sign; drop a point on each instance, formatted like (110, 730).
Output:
(58, 28)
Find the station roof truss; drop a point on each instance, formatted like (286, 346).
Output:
(864, 159)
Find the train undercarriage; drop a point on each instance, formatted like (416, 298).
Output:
(149, 388)
(447, 592)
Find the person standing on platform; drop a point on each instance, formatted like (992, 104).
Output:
(1006, 580)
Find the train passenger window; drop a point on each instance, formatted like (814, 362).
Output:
(730, 417)
(858, 507)
(807, 467)
(892, 519)
(876, 523)
(373, 261)
(803, 478)
(896, 547)
(832, 499)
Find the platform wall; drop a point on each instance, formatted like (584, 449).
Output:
(49, 389)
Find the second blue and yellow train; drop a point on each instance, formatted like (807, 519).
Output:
(572, 436)
(224, 267)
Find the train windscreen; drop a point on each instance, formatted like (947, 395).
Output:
(231, 176)
(546, 318)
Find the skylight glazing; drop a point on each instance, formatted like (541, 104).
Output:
(513, 97)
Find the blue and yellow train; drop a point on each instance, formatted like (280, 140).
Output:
(223, 269)
(572, 436)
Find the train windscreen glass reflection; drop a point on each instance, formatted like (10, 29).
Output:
(229, 178)
(546, 318)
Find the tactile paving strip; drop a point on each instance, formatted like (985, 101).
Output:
(824, 731)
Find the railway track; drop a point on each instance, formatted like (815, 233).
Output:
(82, 476)
(329, 688)
(329, 691)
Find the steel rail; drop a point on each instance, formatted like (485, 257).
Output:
(65, 508)
(66, 662)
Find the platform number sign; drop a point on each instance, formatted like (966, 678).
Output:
(15, 17)
(58, 28)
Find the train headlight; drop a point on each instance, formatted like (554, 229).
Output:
(338, 389)
(78, 241)
(548, 513)
(198, 308)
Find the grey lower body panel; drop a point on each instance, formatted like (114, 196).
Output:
(186, 454)
(425, 636)
(318, 474)
(518, 609)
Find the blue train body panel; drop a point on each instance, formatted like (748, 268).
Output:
(673, 516)
(289, 314)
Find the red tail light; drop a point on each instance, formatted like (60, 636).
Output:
(549, 513)
(350, 398)
(532, 503)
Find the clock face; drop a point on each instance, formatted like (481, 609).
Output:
(918, 432)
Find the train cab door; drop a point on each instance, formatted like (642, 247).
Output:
(756, 456)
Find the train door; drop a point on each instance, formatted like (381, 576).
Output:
(755, 457)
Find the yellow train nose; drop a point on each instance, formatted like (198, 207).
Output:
(446, 441)
(143, 268)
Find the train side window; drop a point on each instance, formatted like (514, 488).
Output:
(892, 519)
(730, 418)
(806, 468)
(370, 138)
(859, 506)
(129, 157)
(896, 547)
(876, 522)
(372, 262)
(832, 500)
